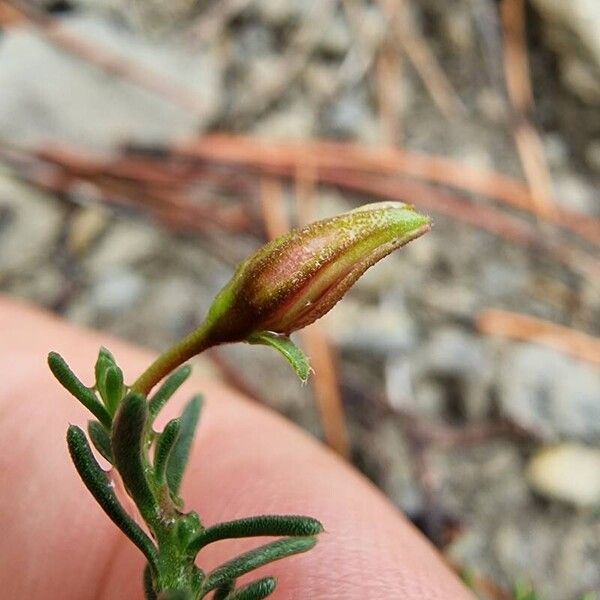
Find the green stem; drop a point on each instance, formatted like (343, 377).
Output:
(191, 345)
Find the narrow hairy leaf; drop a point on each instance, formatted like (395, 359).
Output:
(113, 388)
(256, 590)
(71, 383)
(167, 389)
(284, 345)
(149, 592)
(100, 439)
(286, 525)
(128, 450)
(180, 453)
(164, 446)
(98, 483)
(257, 558)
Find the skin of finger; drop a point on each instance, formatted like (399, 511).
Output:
(56, 542)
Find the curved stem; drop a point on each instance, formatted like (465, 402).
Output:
(191, 345)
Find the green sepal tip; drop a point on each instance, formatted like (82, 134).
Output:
(263, 525)
(287, 348)
(98, 483)
(71, 383)
(127, 442)
(257, 558)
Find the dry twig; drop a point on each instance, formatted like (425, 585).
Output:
(283, 158)
(422, 58)
(516, 72)
(530, 329)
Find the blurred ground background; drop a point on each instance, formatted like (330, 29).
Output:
(147, 146)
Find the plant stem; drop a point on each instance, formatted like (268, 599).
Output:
(191, 345)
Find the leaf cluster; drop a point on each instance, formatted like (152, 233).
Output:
(151, 465)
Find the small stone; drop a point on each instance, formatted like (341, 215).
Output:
(337, 39)
(117, 291)
(85, 227)
(555, 150)
(458, 26)
(255, 40)
(567, 472)
(459, 300)
(453, 351)
(295, 121)
(319, 79)
(373, 25)
(387, 445)
(592, 154)
(492, 105)
(125, 243)
(379, 330)
(33, 225)
(44, 286)
(350, 116)
(174, 304)
(452, 373)
(582, 79)
(280, 12)
(399, 385)
(580, 17)
(550, 393)
(575, 193)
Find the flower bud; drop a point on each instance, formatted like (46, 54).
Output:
(297, 278)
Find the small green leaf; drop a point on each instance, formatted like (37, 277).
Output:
(164, 446)
(264, 525)
(113, 388)
(256, 590)
(128, 435)
(167, 389)
(71, 383)
(100, 439)
(284, 345)
(97, 482)
(257, 558)
(180, 453)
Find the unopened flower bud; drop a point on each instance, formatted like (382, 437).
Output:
(294, 280)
